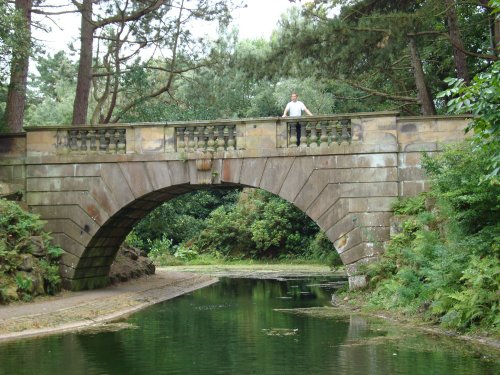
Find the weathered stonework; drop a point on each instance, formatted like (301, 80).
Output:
(92, 185)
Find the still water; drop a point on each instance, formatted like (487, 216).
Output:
(232, 327)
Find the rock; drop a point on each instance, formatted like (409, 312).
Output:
(38, 283)
(37, 247)
(130, 264)
(26, 263)
(131, 253)
(9, 293)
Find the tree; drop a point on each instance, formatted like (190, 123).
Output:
(16, 96)
(395, 54)
(126, 32)
(482, 99)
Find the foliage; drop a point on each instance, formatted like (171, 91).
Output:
(21, 237)
(409, 205)
(12, 35)
(208, 226)
(482, 99)
(444, 264)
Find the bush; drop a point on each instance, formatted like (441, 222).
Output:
(28, 261)
(445, 264)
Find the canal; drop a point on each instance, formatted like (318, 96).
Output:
(247, 326)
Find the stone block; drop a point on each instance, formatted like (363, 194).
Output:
(325, 162)
(324, 201)
(251, 171)
(137, 178)
(374, 189)
(70, 229)
(50, 170)
(231, 170)
(364, 175)
(91, 272)
(150, 139)
(274, 174)
(104, 197)
(367, 161)
(41, 142)
(333, 214)
(357, 282)
(316, 182)
(300, 171)
(85, 283)
(356, 269)
(179, 172)
(371, 204)
(412, 188)
(72, 212)
(411, 174)
(6, 173)
(113, 177)
(410, 159)
(68, 244)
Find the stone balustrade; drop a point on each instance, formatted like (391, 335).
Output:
(105, 140)
(205, 138)
(313, 133)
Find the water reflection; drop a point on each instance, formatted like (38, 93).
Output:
(233, 328)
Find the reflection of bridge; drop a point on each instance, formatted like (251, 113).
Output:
(93, 184)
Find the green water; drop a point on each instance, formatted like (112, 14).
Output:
(232, 328)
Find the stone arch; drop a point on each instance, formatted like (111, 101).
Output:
(90, 208)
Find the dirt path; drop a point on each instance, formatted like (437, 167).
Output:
(77, 310)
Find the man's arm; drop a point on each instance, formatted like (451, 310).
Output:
(307, 111)
(285, 111)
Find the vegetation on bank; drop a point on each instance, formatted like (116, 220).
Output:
(29, 264)
(219, 226)
(444, 264)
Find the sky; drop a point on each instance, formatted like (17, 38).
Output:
(260, 17)
(257, 20)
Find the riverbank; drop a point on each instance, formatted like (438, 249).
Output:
(93, 309)
(70, 311)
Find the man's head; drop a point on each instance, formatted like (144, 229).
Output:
(294, 96)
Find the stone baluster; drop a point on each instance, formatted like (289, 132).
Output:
(191, 142)
(335, 132)
(103, 141)
(83, 140)
(314, 135)
(231, 130)
(196, 137)
(323, 139)
(345, 135)
(201, 138)
(112, 141)
(73, 140)
(181, 145)
(303, 134)
(92, 138)
(221, 142)
(211, 140)
(293, 134)
(122, 141)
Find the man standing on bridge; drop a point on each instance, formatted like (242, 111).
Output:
(295, 109)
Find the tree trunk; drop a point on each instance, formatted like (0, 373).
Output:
(494, 27)
(16, 96)
(426, 103)
(459, 57)
(81, 103)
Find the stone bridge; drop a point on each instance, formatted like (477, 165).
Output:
(92, 184)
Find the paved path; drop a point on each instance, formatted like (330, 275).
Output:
(76, 310)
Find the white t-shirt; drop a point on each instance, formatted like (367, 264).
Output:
(295, 108)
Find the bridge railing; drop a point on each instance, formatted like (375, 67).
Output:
(304, 132)
(357, 133)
